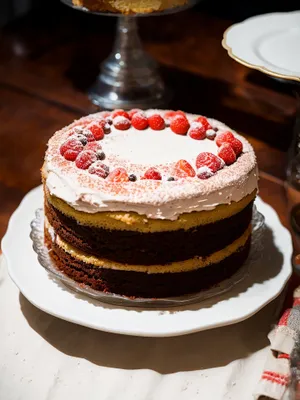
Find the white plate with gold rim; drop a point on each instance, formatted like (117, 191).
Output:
(268, 43)
(267, 278)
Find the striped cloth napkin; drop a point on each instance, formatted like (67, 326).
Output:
(276, 375)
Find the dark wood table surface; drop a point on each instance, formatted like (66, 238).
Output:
(47, 64)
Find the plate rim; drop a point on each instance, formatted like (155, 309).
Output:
(123, 330)
(260, 68)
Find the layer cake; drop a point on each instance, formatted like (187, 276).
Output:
(129, 6)
(148, 204)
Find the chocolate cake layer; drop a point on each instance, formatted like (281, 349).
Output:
(149, 248)
(140, 284)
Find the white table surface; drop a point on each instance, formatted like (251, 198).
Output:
(45, 358)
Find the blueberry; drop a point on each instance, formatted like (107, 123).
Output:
(100, 155)
(81, 138)
(171, 179)
(132, 178)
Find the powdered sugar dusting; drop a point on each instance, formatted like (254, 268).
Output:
(136, 151)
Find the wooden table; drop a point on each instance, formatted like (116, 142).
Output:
(47, 65)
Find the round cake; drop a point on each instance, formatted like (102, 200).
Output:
(129, 6)
(148, 204)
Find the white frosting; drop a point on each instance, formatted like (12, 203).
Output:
(138, 150)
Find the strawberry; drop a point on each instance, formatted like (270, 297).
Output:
(71, 148)
(197, 131)
(133, 111)
(85, 159)
(237, 146)
(118, 175)
(227, 153)
(209, 160)
(183, 169)
(119, 113)
(97, 130)
(139, 121)
(180, 125)
(204, 122)
(179, 112)
(156, 122)
(204, 172)
(152, 173)
(121, 123)
(224, 137)
(99, 169)
(170, 114)
(228, 137)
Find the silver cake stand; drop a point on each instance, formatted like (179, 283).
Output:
(129, 77)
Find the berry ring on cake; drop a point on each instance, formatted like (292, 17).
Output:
(148, 204)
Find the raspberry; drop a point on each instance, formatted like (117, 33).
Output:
(88, 134)
(71, 148)
(204, 172)
(118, 175)
(96, 130)
(133, 111)
(99, 169)
(183, 169)
(105, 114)
(121, 123)
(96, 148)
(227, 153)
(85, 159)
(204, 122)
(224, 137)
(209, 160)
(152, 173)
(156, 122)
(84, 122)
(197, 131)
(211, 134)
(228, 137)
(180, 125)
(80, 137)
(139, 121)
(119, 113)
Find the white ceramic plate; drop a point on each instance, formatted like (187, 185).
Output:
(267, 279)
(269, 43)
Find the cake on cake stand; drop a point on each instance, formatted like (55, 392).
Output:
(129, 77)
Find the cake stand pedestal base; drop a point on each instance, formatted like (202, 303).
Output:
(129, 76)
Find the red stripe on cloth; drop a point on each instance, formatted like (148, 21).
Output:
(274, 380)
(283, 355)
(276, 375)
(284, 318)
